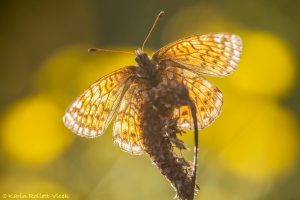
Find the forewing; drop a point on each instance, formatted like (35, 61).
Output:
(91, 113)
(127, 133)
(208, 98)
(212, 54)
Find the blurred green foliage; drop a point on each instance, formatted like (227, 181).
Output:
(250, 152)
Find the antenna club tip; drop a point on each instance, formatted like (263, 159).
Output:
(92, 49)
(161, 13)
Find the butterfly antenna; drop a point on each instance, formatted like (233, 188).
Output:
(109, 50)
(152, 27)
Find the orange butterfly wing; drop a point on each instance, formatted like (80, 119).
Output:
(127, 133)
(91, 113)
(212, 54)
(208, 98)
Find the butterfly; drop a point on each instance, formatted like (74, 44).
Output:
(116, 96)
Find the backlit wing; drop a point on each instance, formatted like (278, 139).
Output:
(212, 54)
(207, 97)
(127, 133)
(91, 113)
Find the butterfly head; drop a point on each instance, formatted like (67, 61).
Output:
(147, 68)
(139, 51)
(142, 59)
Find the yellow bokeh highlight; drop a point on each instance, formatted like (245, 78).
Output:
(266, 147)
(32, 131)
(256, 140)
(59, 76)
(267, 65)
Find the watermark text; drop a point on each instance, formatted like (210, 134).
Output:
(35, 196)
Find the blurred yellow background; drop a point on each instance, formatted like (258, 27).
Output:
(251, 152)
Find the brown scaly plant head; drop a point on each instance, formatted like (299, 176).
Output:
(160, 136)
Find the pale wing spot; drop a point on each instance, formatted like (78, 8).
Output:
(78, 104)
(93, 133)
(80, 131)
(218, 39)
(86, 131)
(75, 128)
